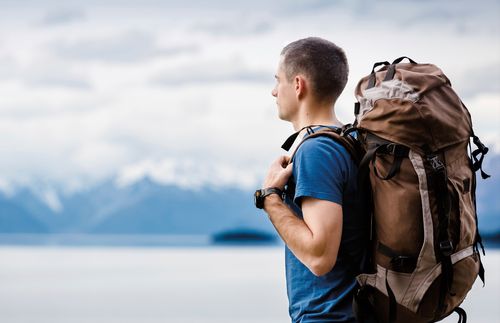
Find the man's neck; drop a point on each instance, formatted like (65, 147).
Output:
(326, 119)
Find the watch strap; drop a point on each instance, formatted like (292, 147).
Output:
(261, 194)
(271, 190)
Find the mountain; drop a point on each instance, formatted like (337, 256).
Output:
(15, 218)
(147, 207)
(142, 208)
(488, 203)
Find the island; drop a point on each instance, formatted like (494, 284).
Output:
(243, 236)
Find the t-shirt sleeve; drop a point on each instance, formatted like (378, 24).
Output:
(320, 168)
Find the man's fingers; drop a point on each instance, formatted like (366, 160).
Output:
(279, 173)
(283, 161)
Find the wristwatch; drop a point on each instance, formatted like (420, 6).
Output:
(261, 194)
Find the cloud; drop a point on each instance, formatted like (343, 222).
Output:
(480, 79)
(189, 173)
(8, 66)
(186, 99)
(461, 18)
(126, 47)
(306, 7)
(62, 16)
(6, 188)
(58, 78)
(458, 16)
(50, 197)
(238, 28)
(485, 112)
(210, 72)
(43, 73)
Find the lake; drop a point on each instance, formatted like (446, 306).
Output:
(168, 284)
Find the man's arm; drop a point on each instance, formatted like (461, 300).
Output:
(314, 240)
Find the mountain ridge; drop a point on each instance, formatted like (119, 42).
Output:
(148, 207)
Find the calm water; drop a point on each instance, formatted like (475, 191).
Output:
(179, 285)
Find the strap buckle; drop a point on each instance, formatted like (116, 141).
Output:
(436, 164)
(346, 129)
(391, 148)
(446, 248)
(400, 263)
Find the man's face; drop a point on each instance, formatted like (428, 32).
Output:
(285, 94)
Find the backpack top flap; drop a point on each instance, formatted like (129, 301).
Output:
(413, 105)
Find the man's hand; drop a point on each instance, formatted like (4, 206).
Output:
(278, 173)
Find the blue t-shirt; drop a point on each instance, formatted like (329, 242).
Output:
(323, 169)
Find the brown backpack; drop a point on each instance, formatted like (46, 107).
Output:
(424, 237)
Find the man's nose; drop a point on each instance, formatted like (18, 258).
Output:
(274, 92)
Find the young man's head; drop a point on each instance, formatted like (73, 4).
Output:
(311, 68)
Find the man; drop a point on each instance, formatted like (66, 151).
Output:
(319, 220)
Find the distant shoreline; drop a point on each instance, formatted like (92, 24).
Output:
(149, 240)
(117, 240)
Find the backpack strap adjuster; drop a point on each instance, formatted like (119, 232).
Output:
(436, 164)
(446, 248)
(402, 263)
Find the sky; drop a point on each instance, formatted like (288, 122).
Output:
(92, 91)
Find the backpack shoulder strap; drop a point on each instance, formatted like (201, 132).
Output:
(351, 144)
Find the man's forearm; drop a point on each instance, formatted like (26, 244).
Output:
(294, 231)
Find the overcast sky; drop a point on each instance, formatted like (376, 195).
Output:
(99, 90)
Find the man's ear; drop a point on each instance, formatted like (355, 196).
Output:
(300, 86)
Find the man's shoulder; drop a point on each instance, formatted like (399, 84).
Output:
(322, 147)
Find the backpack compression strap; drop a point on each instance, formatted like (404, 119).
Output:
(439, 180)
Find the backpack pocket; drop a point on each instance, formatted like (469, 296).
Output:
(462, 226)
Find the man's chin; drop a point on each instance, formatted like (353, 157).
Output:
(282, 116)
